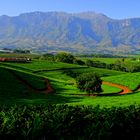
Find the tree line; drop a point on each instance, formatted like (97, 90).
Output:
(119, 65)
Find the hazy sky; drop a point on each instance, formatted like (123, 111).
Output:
(112, 8)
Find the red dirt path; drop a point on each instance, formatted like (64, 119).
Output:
(47, 89)
(125, 89)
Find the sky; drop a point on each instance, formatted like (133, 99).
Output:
(117, 9)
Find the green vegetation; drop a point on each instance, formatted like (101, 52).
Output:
(32, 79)
(131, 80)
(62, 78)
(100, 59)
(66, 85)
(106, 89)
(119, 64)
(10, 86)
(15, 90)
(36, 65)
(68, 112)
(100, 71)
(70, 123)
(65, 57)
(89, 82)
(72, 112)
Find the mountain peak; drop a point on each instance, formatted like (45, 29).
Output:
(92, 15)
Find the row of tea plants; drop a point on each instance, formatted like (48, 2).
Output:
(69, 122)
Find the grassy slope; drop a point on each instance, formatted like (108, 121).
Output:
(14, 91)
(17, 93)
(42, 64)
(100, 71)
(111, 60)
(9, 85)
(109, 89)
(123, 100)
(48, 65)
(104, 60)
(131, 80)
(33, 79)
(64, 85)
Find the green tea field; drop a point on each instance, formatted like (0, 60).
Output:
(45, 82)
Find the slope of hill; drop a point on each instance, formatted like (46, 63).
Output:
(15, 90)
(81, 32)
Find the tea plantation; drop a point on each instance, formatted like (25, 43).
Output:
(40, 100)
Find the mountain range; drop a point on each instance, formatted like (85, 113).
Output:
(86, 32)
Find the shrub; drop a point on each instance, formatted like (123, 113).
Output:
(89, 82)
(65, 57)
(71, 73)
(79, 62)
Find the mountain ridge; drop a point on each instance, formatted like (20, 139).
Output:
(86, 32)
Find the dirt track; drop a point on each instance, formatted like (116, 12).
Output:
(47, 89)
(125, 90)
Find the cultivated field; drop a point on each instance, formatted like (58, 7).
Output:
(25, 83)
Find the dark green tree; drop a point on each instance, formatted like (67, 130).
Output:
(65, 57)
(89, 82)
(89, 63)
(78, 62)
(47, 56)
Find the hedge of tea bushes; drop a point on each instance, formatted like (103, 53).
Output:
(63, 122)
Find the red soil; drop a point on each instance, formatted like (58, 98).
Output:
(125, 89)
(47, 89)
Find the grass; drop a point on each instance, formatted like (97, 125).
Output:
(36, 65)
(32, 56)
(109, 89)
(131, 80)
(9, 86)
(118, 101)
(100, 71)
(64, 84)
(33, 79)
(42, 65)
(112, 60)
(12, 91)
(104, 60)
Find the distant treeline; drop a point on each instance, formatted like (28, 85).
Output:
(19, 51)
(102, 55)
(119, 65)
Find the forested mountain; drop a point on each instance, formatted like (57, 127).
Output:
(86, 32)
